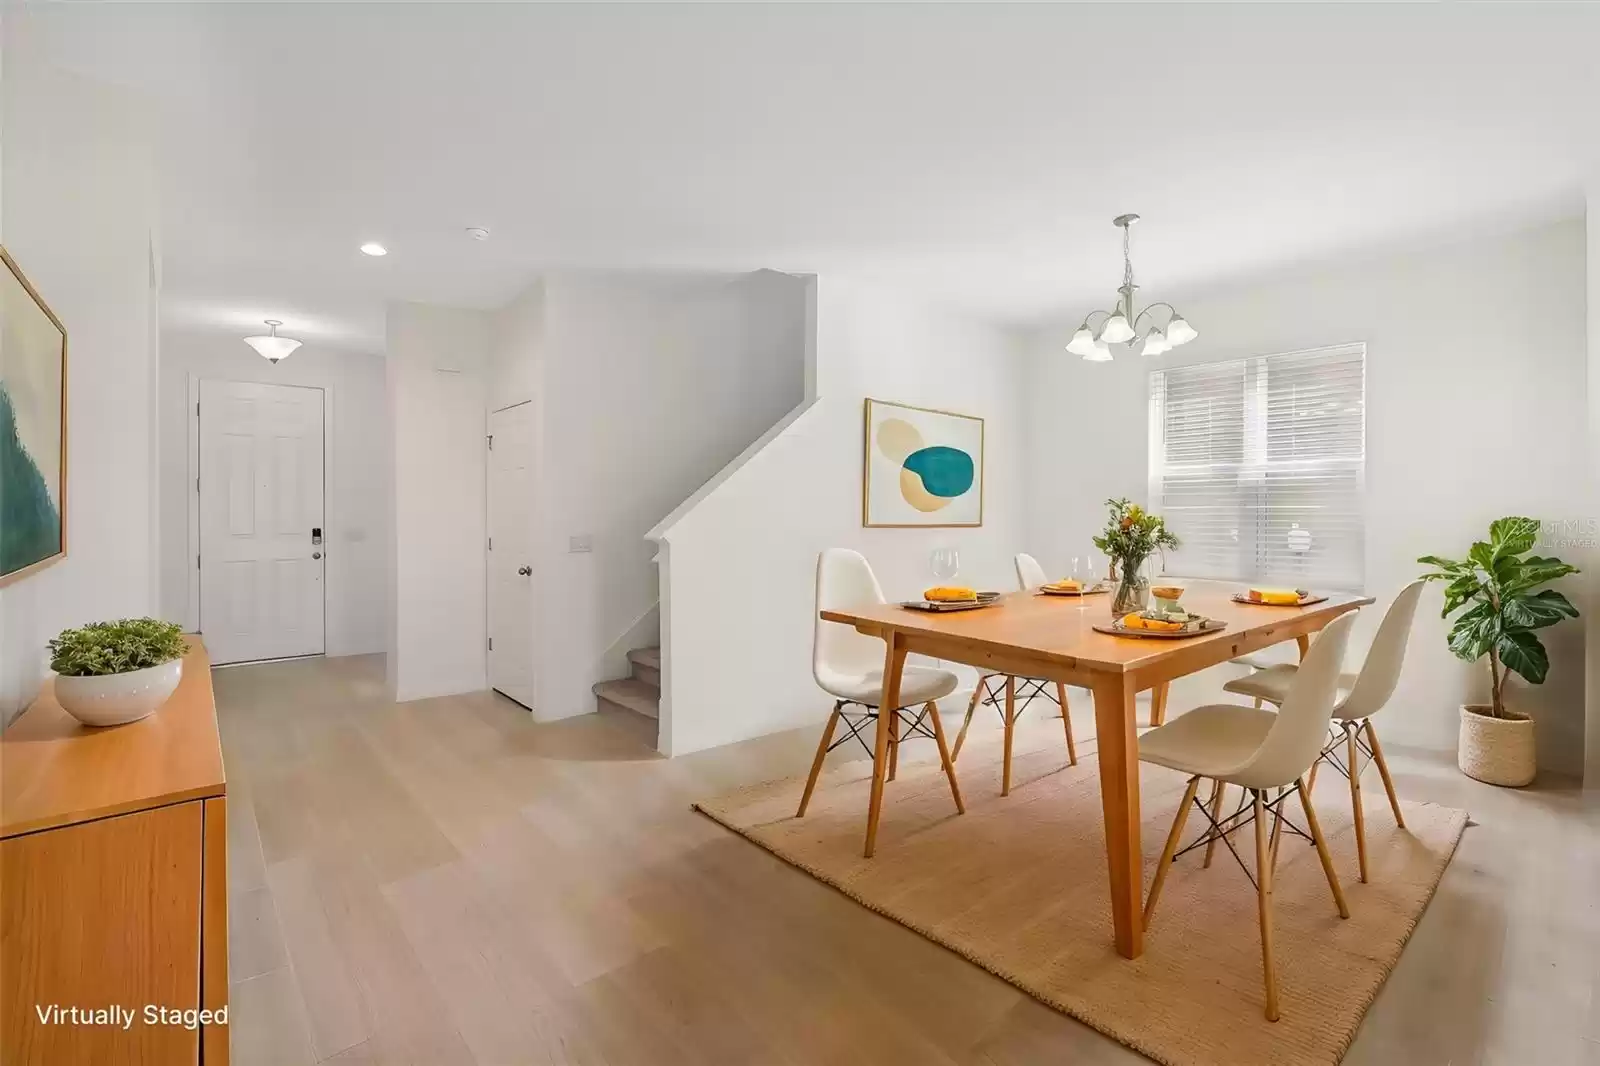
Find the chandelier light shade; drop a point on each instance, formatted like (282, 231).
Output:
(1124, 322)
(272, 347)
(1116, 330)
(1082, 342)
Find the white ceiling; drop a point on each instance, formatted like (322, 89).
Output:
(973, 152)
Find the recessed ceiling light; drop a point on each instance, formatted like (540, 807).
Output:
(477, 233)
(373, 248)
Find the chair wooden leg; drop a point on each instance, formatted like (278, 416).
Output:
(1311, 778)
(1011, 724)
(1322, 848)
(1066, 722)
(1269, 972)
(894, 742)
(1171, 848)
(1258, 703)
(966, 723)
(1277, 831)
(816, 764)
(1352, 754)
(1383, 772)
(1158, 704)
(1216, 816)
(945, 758)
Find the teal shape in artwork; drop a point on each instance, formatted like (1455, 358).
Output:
(945, 472)
(30, 526)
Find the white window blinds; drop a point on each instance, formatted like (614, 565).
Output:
(1258, 466)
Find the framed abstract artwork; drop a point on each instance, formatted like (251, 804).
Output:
(922, 467)
(33, 428)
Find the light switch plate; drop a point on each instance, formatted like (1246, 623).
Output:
(583, 543)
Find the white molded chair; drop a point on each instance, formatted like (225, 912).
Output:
(1011, 695)
(1359, 697)
(1264, 659)
(1029, 573)
(1267, 754)
(849, 667)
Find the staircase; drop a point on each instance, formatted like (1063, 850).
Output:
(640, 691)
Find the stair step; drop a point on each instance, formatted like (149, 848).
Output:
(631, 694)
(645, 665)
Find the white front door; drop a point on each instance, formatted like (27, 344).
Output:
(511, 552)
(262, 533)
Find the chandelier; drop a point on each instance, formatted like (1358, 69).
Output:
(1121, 324)
(272, 347)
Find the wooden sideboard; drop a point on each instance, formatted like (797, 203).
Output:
(113, 883)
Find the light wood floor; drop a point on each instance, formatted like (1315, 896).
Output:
(444, 882)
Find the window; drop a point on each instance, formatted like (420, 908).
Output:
(1258, 467)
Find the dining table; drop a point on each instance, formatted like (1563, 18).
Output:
(1029, 634)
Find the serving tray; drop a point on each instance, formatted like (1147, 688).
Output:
(1096, 590)
(1117, 629)
(1306, 598)
(985, 599)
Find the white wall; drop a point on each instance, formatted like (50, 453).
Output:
(516, 349)
(747, 552)
(77, 208)
(437, 369)
(357, 511)
(647, 384)
(1591, 776)
(1476, 408)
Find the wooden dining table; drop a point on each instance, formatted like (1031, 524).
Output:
(1029, 634)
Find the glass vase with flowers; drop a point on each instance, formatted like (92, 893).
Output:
(1132, 535)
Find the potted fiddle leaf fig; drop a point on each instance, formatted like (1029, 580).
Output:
(1499, 591)
(111, 673)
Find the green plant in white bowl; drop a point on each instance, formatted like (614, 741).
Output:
(117, 672)
(116, 647)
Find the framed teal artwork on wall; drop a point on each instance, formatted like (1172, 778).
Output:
(923, 467)
(33, 429)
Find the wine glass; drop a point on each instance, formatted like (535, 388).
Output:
(945, 564)
(1083, 573)
(1093, 572)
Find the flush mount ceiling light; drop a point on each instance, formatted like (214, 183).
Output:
(272, 347)
(1123, 323)
(373, 248)
(477, 233)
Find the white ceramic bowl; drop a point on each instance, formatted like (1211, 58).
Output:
(115, 699)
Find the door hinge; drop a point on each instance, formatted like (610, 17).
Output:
(197, 484)
(197, 407)
(197, 562)
(491, 544)
(491, 442)
(491, 644)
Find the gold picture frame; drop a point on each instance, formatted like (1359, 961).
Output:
(33, 376)
(919, 461)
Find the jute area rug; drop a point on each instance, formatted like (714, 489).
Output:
(1018, 886)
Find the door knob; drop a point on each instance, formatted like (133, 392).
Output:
(525, 571)
(316, 555)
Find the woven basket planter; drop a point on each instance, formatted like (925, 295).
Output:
(1498, 751)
